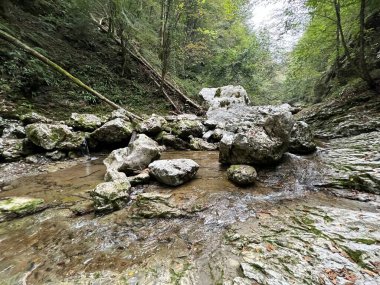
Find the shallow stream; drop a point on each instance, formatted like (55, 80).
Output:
(279, 231)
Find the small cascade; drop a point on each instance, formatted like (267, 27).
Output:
(85, 150)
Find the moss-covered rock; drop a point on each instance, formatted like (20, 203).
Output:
(200, 144)
(115, 132)
(85, 122)
(152, 126)
(186, 128)
(242, 175)
(49, 136)
(111, 196)
(19, 206)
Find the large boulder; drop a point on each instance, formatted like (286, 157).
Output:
(173, 172)
(111, 196)
(301, 139)
(115, 132)
(242, 175)
(136, 157)
(49, 136)
(256, 135)
(152, 126)
(224, 96)
(141, 152)
(85, 122)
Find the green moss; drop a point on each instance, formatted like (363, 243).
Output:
(258, 268)
(218, 92)
(328, 219)
(365, 241)
(307, 221)
(356, 256)
(20, 205)
(175, 277)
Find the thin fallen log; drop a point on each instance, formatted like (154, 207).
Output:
(154, 73)
(9, 38)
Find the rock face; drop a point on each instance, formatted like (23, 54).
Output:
(301, 139)
(152, 126)
(173, 172)
(242, 175)
(117, 131)
(111, 196)
(261, 136)
(85, 122)
(353, 163)
(224, 96)
(346, 116)
(51, 137)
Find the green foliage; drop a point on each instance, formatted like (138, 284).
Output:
(211, 44)
(318, 65)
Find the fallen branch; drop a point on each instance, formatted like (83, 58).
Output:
(5, 36)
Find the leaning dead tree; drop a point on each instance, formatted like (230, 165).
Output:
(9, 38)
(156, 77)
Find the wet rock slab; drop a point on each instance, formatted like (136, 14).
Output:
(309, 245)
(353, 163)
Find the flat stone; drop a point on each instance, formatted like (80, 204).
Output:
(173, 172)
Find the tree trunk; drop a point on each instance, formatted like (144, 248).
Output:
(362, 61)
(59, 69)
(340, 28)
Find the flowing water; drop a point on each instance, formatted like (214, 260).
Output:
(229, 235)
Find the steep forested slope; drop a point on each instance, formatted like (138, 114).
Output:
(57, 30)
(210, 45)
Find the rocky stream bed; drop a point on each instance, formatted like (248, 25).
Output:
(310, 217)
